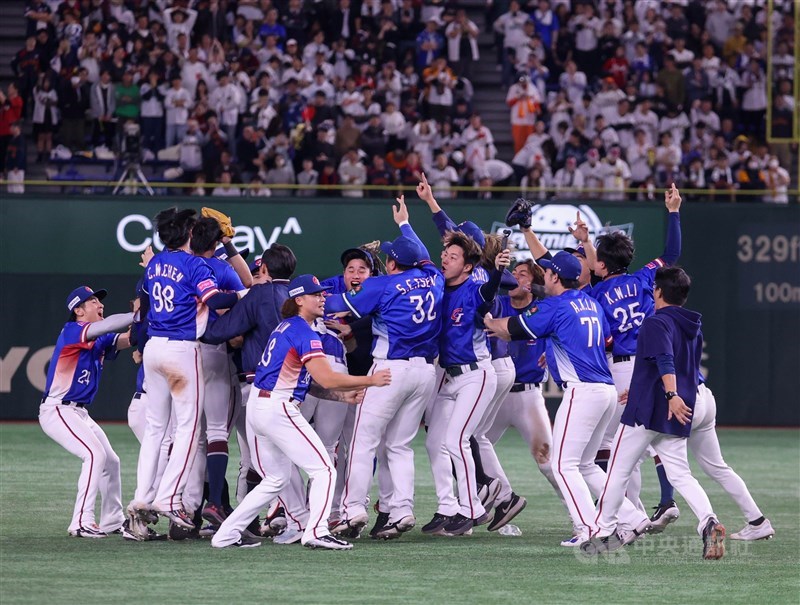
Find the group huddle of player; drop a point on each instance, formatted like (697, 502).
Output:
(335, 379)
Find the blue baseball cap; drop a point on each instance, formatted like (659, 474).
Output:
(403, 250)
(579, 250)
(305, 284)
(81, 295)
(475, 232)
(255, 266)
(563, 264)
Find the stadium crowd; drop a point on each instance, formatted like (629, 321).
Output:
(602, 94)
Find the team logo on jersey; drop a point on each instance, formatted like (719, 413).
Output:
(457, 315)
(315, 280)
(551, 222)
(531, 311)
(354, 290)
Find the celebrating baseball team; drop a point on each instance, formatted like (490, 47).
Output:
(327, 383)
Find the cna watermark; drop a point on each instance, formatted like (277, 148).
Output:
(668, 548)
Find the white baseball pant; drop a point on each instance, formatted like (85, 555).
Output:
(245, 461)
(137, 415)
(704, 445)
(526, 412)
(174, 382)
(506, 373)
(279, 438)
(390, 415)
(459, 407)
(629, 445)
(74, 430)
(580, 423)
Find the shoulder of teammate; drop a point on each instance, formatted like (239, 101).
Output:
(202, 278)
(361, 301)
(305, 340)
(335, 283)
(227, 278)
(76, 334)
(647, 274)
(536, 321)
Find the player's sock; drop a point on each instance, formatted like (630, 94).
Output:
(480, 476)
(252, 479)
(601, 459)
(667, 491)
(216, 465)
(758, 521)
(226, 498)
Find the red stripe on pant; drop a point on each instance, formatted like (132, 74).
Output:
(91, 464)
(194, 430)
(325, 461)
(350, 456)
(461, 441)
(608, 474)
(561, 451)
(263, 475)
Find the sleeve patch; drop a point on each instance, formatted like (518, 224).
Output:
(315, 344)
(205, 284)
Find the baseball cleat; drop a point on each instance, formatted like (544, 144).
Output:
(598, 545)
(482, 520)
(504, 512)
(242, 542)
(574, 541)
(208, 530)
(273, 526)
(763, 531)
(179, 517)
(214, 514)
(436, 525)
(381, 522)
(664, 515)
(397, 528)
(494, 489)
(458, 525)
(629, 536)
(354, 525)
(713, 540)
(91, 531)
(288, 536)
(329, 542)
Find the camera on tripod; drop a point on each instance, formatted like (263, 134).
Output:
(131, 143)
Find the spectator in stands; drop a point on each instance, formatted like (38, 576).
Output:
(152, 94)
(525, 102)
(352, 172)
(479, 142)
(15, 159)
(442, 177)
(10, 113)
(177, 102)
(46, 118)
(307, 176)
(777, 181)
(225, 188)
(462, 44)
(127, 99)
(616, 175)
(568, 178)
(27, 64)
(429, 43)
(191, 153)
(281, 173)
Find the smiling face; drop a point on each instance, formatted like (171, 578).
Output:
(524, 277)
(311, 306)
(356, 272)
(90, 310)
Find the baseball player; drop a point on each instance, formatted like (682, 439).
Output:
(279, 435)
(406, 309)
(627, 299)
(468, 387)
(73, 377)
(255, 317)
(174, 281)
(218, 410)
(658, 412)
(577, 335)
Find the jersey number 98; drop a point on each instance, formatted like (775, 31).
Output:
(419, 312)
(163, 298)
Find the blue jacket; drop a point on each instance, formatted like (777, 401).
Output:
(254, 317)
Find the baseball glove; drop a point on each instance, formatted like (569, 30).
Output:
(224, 221)
(519, 214)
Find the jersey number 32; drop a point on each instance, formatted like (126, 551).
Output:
(420, 314)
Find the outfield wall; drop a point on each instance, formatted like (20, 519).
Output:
(745, 261)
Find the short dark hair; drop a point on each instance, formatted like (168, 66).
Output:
(472, 251)
(537, 273)
(615, 250)
(358, 254)
(175, 226)
(569, 284)
(674, 284)
(280, 261)
(289, 308)
(206, 234)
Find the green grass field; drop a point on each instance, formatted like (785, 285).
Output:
(39, 563)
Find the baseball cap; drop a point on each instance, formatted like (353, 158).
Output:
(579, 250)
(255, 266)
(471, 229)
(562, 264)
(403, 250)
(356, 253)
(82, 294)
(305, 284)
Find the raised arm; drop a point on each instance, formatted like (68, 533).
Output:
(113, 323)
(672, 247)
(443, 222)
(400, 214)
(581, 233)
(489, 290)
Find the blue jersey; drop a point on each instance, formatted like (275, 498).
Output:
(463, 339)
(227, 280)
(577, 333)
(524, 353)
(335, 283)
(76, 364)
(406, 311)
(626, 301)
(177, 284)
(331, 344)
(282, 367)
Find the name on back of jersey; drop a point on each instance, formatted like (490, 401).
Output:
(629, 290)
(583, 304)
(165, 270)
(416, 283)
